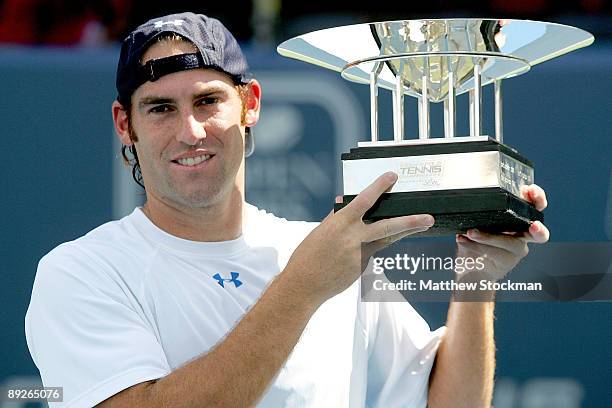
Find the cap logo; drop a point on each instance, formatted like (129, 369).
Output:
(161, 23)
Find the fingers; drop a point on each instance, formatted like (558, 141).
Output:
(377, 245)
(390, 227)
(535, 195)
(385, 232)
(366, 199)
(515, 245)
(537, 233)
(477, 249)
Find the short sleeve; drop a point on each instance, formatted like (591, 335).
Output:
(402, 350)
(85, 334)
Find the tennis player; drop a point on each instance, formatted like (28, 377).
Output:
(200, 299)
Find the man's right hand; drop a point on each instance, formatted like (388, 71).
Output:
(329, 259)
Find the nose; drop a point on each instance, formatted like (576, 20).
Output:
(192, 131)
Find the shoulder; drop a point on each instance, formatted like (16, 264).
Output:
(264, 228)
(260, 222)
(112, 252)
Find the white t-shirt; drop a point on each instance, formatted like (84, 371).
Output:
(128, 303)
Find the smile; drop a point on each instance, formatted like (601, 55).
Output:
(193, 161)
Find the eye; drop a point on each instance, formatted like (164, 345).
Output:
(160, 108)
(208, 101)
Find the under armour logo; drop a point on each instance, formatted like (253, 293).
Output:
(161, 23)
(234, 279)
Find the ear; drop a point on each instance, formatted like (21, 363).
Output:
(120, 120)
(253, 103)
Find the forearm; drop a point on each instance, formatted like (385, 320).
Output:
(465, 363)
(237, 371)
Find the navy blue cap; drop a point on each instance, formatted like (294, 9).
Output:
(218, 49)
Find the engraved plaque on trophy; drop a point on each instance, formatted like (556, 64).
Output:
(464, 181)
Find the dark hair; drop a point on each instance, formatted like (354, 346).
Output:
(129, 153)
(133, 160)
(136, 172)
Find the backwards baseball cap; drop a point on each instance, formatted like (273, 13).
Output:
(217, 49)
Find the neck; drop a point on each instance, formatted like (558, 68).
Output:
(221, 221)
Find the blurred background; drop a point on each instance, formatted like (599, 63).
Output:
(62, 174)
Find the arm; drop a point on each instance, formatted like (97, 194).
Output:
(326, 263)
(465, 364)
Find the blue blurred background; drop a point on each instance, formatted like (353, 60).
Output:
(62, 174)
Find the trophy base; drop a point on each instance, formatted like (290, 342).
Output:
(456, 211)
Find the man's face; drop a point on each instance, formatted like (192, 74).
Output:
(190, 137)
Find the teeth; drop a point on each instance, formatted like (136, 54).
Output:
(192, 161)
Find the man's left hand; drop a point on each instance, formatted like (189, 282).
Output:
(502, 252)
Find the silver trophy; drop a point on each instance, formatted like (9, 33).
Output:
(464, 181)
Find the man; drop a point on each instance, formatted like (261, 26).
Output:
(200, 299)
